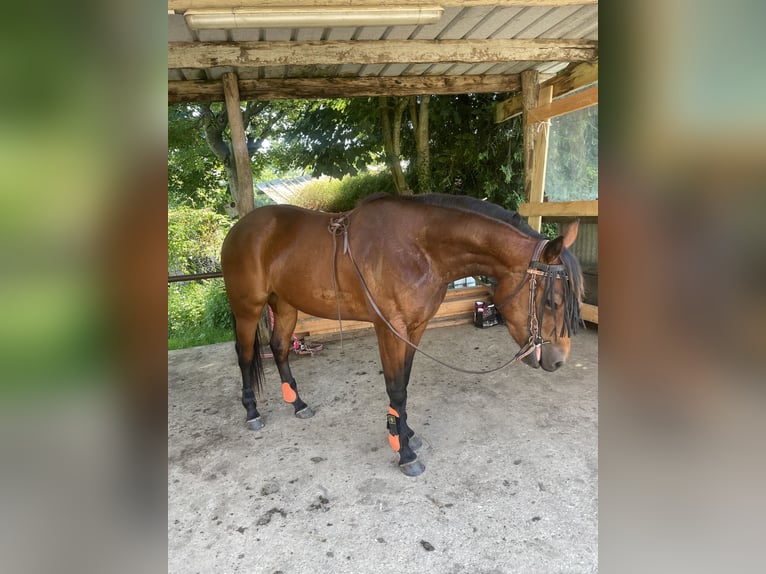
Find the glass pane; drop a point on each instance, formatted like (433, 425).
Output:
(572, 170)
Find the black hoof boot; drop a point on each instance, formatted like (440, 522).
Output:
(412, 468)
(304, 413)
(255, 424)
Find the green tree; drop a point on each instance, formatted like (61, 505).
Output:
(470, 153)
(332, 137)
(448, 144)
(196, 178)
(201, 168)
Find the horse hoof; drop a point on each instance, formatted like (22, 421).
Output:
(255, 424)
(305, 413)
(412, 468)
(415, 442)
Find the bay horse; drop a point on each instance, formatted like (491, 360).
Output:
(389, 261)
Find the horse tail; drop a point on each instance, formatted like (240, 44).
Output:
(255, 367)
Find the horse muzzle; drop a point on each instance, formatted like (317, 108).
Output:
(551, 359)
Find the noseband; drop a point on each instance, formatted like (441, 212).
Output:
(547, 274)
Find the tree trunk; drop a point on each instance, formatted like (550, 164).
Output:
(231, 176)
(392, 142)
(214, 125)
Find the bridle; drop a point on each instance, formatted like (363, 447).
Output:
(536, 271)
(547, 273)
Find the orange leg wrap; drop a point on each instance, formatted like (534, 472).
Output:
(288, 393)
(392, 420)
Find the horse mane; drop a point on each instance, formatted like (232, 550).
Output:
(512, 218)
(474, 205)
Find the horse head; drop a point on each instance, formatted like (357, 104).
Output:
(542, 310)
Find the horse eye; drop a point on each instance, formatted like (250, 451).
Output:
(555, 305)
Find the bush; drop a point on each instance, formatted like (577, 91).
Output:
(194, 239)
(198, 311)
(343, 194)
(198, 314)
(217, 313)
(186, 306)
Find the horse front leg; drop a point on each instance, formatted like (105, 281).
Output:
(396, 358)
(285, 318)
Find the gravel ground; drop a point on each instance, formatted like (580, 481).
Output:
(511, 480)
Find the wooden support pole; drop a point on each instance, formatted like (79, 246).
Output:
(539, 157)
(245, 198)
(529, 94)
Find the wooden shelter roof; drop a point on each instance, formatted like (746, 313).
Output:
(475, 46)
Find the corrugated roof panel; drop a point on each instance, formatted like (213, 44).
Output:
(468, 19)
(458, 22)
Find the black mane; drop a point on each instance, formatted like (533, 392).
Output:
(468, 203)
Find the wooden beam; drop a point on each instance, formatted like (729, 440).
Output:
(571, 103)
(457, 307)
(296, 88)
(530, 89)
(573, 77)
(509, 108)
(588, 208)
(245, 197)
(589, 312)
(180, 6)
(257, 54)
(540, 160)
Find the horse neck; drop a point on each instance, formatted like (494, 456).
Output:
(477, 245)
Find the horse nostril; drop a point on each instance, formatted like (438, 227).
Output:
(557, 364)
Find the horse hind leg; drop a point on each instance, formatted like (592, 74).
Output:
(249, 358)
(285, 318)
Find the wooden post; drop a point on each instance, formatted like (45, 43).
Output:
(245, 198)
(529, 95)
(540, 158)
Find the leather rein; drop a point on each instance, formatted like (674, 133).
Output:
(536, 270)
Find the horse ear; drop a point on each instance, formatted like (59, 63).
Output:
(570, 233)
(552, 250)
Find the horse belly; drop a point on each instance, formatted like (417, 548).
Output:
(313, 293)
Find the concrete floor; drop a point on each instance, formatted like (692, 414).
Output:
(511, 464)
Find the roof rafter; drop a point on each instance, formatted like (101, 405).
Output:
(295, 88)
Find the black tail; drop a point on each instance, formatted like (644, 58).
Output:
(256, 366)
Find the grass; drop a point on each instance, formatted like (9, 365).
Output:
(199, 337)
